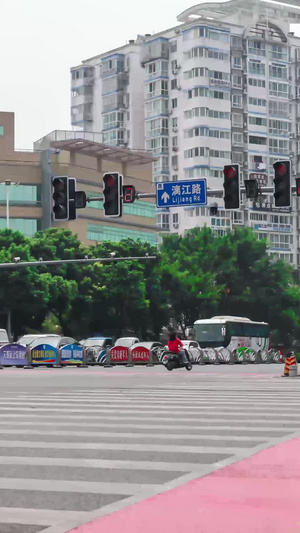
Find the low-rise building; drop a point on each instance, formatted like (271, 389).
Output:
(25, 184)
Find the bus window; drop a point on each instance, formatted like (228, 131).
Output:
(210, 335)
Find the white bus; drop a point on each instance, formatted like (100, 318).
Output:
(233, 333)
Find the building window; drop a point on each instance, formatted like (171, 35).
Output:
(220, 95)
(237, 81)
(22, 194)
(1, 130)
(97, 232)
(175, 220)
(237, 139)
(280, 90)
(174, 84)
(174, 122)
(257, 101)
(278, 52)
(256, 67)
(237, 100)
(27, 226)
(254, 139)
(279, 146)
(237, 157)
(173, 47)
(156, 127)
(256, 82)
(162, 221)
(236, 62)
(257, 48)
(113, 120)
(197, 91)
(237, 120)
(279, 127)
(258, 121)
(278, 71)
(278, 109)
(174, 103)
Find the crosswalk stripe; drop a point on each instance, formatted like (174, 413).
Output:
(99, 463)
(127, 489)
(166, 402)
(179, 410)
(122, 447)
(264, 416)
(96, 434)
(39, 517)
(171, 429)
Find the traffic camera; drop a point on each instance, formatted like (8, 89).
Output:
(282, 183)
(112, 192)
(231, 186)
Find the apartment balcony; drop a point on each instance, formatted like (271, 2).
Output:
(153, 51)
(114, 102)
(86, 116)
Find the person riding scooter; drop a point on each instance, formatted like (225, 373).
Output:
(175, 345)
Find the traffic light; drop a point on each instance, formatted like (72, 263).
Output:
(213, 210)
(112, 191)
(72, 198)
(297, 186)
(128, 194)
(282, 181)
(60, 198)
(251, 188)
(231, 186)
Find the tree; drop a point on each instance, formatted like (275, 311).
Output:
(187, 277)
(23, 293)
(235, 275)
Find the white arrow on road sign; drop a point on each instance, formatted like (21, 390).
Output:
(165, 197)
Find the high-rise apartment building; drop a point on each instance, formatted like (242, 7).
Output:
(222, 86)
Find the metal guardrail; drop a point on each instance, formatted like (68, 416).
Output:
(15, 355)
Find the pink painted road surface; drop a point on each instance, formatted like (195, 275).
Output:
(260, 494)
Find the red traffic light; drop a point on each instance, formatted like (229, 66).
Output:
(297, 186)
(281, 169)
(112, 192)
(109, 180)
(229, 172)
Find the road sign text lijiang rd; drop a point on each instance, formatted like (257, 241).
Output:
(181, 193)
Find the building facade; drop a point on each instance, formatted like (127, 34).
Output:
(221, 87)
(84, 158)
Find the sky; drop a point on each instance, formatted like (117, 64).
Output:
(42, 39)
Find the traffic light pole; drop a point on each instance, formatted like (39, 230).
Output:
(218, 192)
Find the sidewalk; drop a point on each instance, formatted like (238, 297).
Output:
(258, 495)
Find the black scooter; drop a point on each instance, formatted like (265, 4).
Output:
(171, 361)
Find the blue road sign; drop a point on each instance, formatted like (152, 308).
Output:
(181, 193)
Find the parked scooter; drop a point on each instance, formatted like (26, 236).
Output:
(172, 360)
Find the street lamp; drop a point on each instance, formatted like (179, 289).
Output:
(7, 184)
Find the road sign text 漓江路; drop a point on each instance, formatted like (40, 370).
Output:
(181, 193)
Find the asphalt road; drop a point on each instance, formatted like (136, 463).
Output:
(77, 444)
